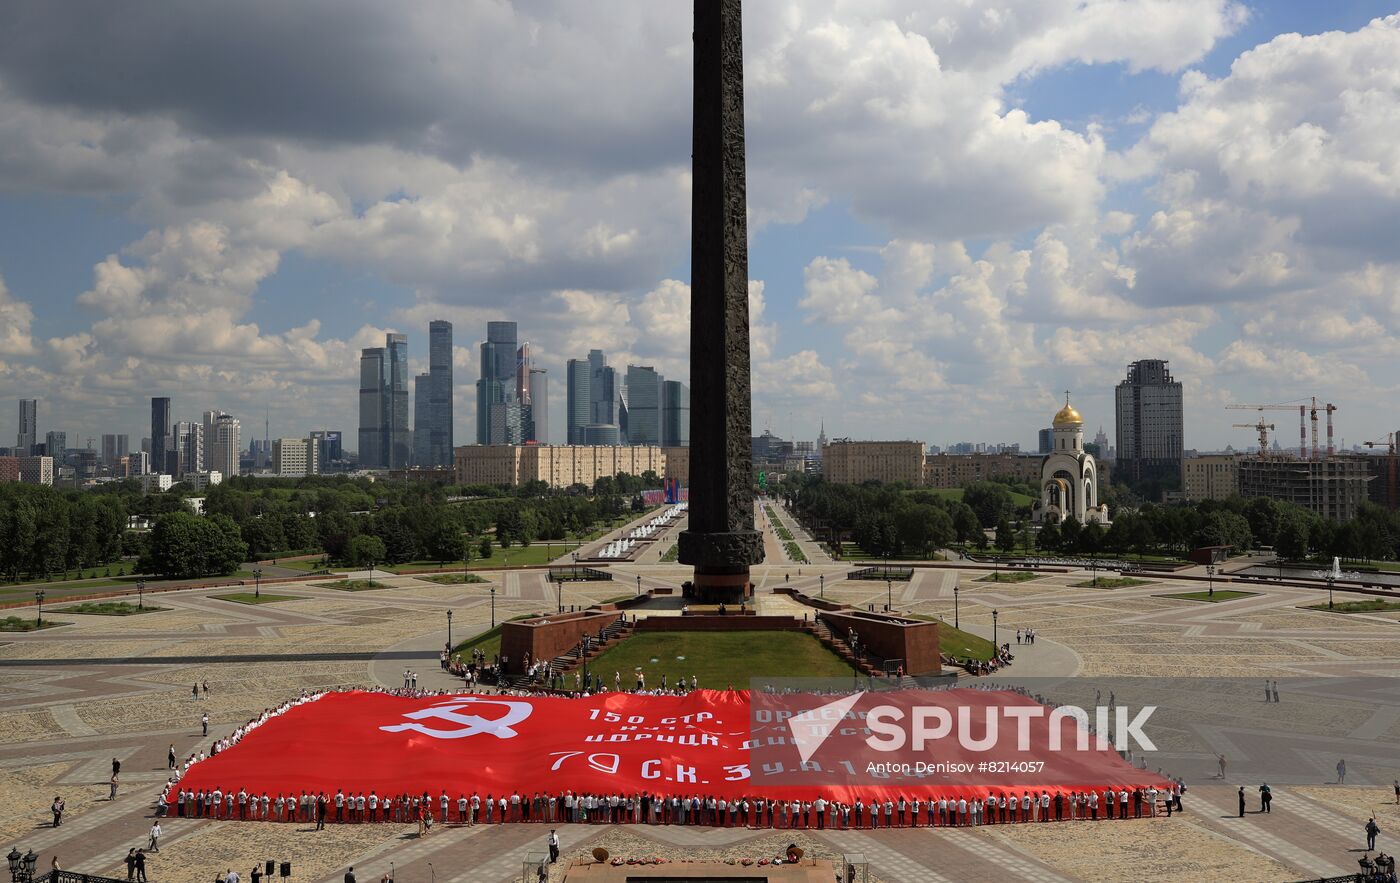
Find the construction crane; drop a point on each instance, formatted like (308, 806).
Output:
(1306, 407)
(1281, 406)
(1389, 443)
(1263, 429)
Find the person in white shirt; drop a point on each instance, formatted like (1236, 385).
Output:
(231, 876)
(154, 845)
(962, 811)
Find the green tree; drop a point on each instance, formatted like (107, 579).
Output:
(1291, 539)
(1006, 535)
(446, 542)
(485, 548)
(1069, 534)
(365, 550)
(990, 500)
(1049, 537)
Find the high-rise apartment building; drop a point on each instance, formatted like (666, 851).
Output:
(222, 443)
(36, 470)
(643, 405)
(292, 457)
(187, 448)
(604, 394)
(160, 433)
(439, 423)
(56, 444)
(675, 414)
(114, 447)
(28, 427)
(539, 404)
(328, 447)
(1150, 424)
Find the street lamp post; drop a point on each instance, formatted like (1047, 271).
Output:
(955, 607)
(140, 594)
(822, 580)
(39, 617)
(1210, 575)
(493, 607)
(449, 629)
(257, 582)
(639, 584)
(560, 582)
(889, 593)
(994, 630)
(1330, 578)
(22, 867)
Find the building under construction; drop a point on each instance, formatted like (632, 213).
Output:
(1333, 487)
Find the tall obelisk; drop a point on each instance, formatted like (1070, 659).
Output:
(721, 541)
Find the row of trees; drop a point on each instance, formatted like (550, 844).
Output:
(45, 531)
(894, 520)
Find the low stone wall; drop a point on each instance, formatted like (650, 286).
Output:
(819, 603)
(891, 637)
(546, 637)
(716, 623)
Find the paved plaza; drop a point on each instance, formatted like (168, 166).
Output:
(101, 687)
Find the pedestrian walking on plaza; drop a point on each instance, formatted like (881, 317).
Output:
(195, 691)
(1371, 831)
(1241, 801)
(112, 795)
(140, 866)
(1220, 759)
(256, 874)
(1266, 797)
(230, 876)
(170, 758)
(131, 864)
(57, 810)
(116, 766)
(553, 846)
(350, 876)
(206, 689)
(1341, 772)
(204, 722)
(1275, 691)
(154, 844)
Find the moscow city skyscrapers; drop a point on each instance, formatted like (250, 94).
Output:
(439, 423)
(507, 388)
(384, 404)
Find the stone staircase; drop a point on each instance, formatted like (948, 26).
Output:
(567, 662)
(866, 664)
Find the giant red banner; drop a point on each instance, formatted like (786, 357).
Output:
(612, 743)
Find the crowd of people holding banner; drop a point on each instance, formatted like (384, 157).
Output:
(971, 806)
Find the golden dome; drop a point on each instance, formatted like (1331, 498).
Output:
(1068, 416)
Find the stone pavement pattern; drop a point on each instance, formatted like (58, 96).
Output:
(104, 687)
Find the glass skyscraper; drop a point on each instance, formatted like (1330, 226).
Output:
(384, 404)
(1150, 424)
(643, 405)
(675, 414)
(439, 423)
(496, 385)
(160, 432)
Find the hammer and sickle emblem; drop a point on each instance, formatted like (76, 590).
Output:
(501, 728)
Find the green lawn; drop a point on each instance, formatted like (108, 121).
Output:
(1010, 576)
(453, 579)
(1220, 595)
(795, 552)
(1371, 605)
(718, 659)
(250, 598)
(1110, 582)
(354, 585)
(672, 553)
(108, 608)
(15, 624)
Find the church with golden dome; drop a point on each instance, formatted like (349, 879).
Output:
(1069, 477)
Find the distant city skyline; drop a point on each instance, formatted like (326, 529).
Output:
(939, 245)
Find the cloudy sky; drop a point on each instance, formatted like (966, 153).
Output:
(958, 208)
